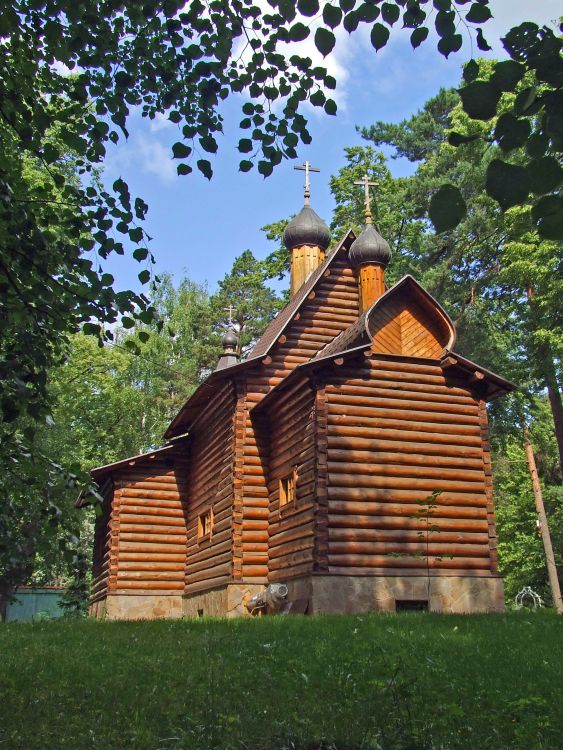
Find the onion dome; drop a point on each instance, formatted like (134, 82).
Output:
(369, 247)
(230, 340)
(307, 228)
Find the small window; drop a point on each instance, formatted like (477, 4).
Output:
(205, 524)
(411, 605)
(287, 488)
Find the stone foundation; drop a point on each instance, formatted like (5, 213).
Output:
(356, 594)
(227, 601)
(138, 607)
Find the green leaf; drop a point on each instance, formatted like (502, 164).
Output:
(308, 7)
(527, 102)
(245, 145)
(91, 329)
(136, 234)
(548, 215)
(482, 43)
(180, 150)
(447, 208)
(317, 99)
(510, 132)
(324, 41)
(141, 253)
(144, 276)
(107, 279)
(332, 16)
(537, 145)
(545, 174)
(508, 184)
(265, 168)
(127, 322)
(209, 144)
(347, 5)
(351, 21)
(470, 71)
(418, 36)
(298, 32)
(449, 44)
(478, 13)
(205, 168)
(144, 336)
(245, 165)
(183, 169)
(50, 153)
(457, 139)
(248, 108)
(330, 107)
(480, 99)
(379, 35)
(367, 12)
(508, 74)
(390, 13)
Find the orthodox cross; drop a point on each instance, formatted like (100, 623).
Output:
(307, 168)
(365, 181)
(229, 309)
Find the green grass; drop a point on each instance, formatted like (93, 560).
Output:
(411, 681)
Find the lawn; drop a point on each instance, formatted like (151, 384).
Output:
(409, 681)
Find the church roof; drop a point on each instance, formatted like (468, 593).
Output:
(283, 318)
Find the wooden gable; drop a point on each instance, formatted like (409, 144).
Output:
(407, 321)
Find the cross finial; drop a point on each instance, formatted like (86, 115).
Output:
(367, 183)
(307, 168)
(229, 309)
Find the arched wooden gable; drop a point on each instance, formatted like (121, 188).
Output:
(406, 320)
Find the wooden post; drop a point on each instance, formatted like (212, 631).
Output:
(544, 528)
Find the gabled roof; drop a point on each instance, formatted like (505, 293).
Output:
(101, 471)
(284, 317)
(201, 396)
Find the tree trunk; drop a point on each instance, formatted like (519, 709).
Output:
(554, 395)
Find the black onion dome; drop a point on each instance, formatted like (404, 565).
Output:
(230, 340)
(369, 247)
(307, 228)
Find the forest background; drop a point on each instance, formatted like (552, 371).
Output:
(493, 259)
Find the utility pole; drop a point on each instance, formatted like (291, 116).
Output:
(544, 528)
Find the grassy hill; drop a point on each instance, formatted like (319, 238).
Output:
(410, 681)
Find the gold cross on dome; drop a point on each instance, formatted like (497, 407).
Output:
(230, 309)
(367, 183)
(307, 168)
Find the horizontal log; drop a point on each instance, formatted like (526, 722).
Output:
(335, 570)
(255, 571)
(420, 548)
(378, 458)
(404, 535)
(151, 585)
(207, 585)
(399, 410)
(339, 473)
(149, 494)
(132, 565)
(287, 561)
(445, 403)
(150, 520)
(210, 563)
(371, 425)
(208, 574)
(414, 442)
(391, 561)
(402, 389)
(152, 510)
(153, 575)
(357, 481)
(147, 530)
(140, 554)
(339, 513)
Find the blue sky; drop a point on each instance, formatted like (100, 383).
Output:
(198, 227)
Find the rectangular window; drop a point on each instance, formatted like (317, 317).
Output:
(205, 524)
(287, 488)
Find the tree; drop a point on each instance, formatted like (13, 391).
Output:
(253, 303)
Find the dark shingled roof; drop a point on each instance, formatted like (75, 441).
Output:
(282, 319)
(355, 335)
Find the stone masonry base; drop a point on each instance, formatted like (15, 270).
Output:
(324, 594)
(138, 607)
(355, 594)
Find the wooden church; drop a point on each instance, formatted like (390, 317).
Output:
(347, 457)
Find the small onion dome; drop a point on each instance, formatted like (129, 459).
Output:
(230, 340)
(307, 228)
(369, 247)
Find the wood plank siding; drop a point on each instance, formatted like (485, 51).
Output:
(325, 313)
(147, 549)
(397, 431)
(405, 327)
(210, 490)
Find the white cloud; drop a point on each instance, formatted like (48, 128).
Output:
(160, 122)
(155, 158)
